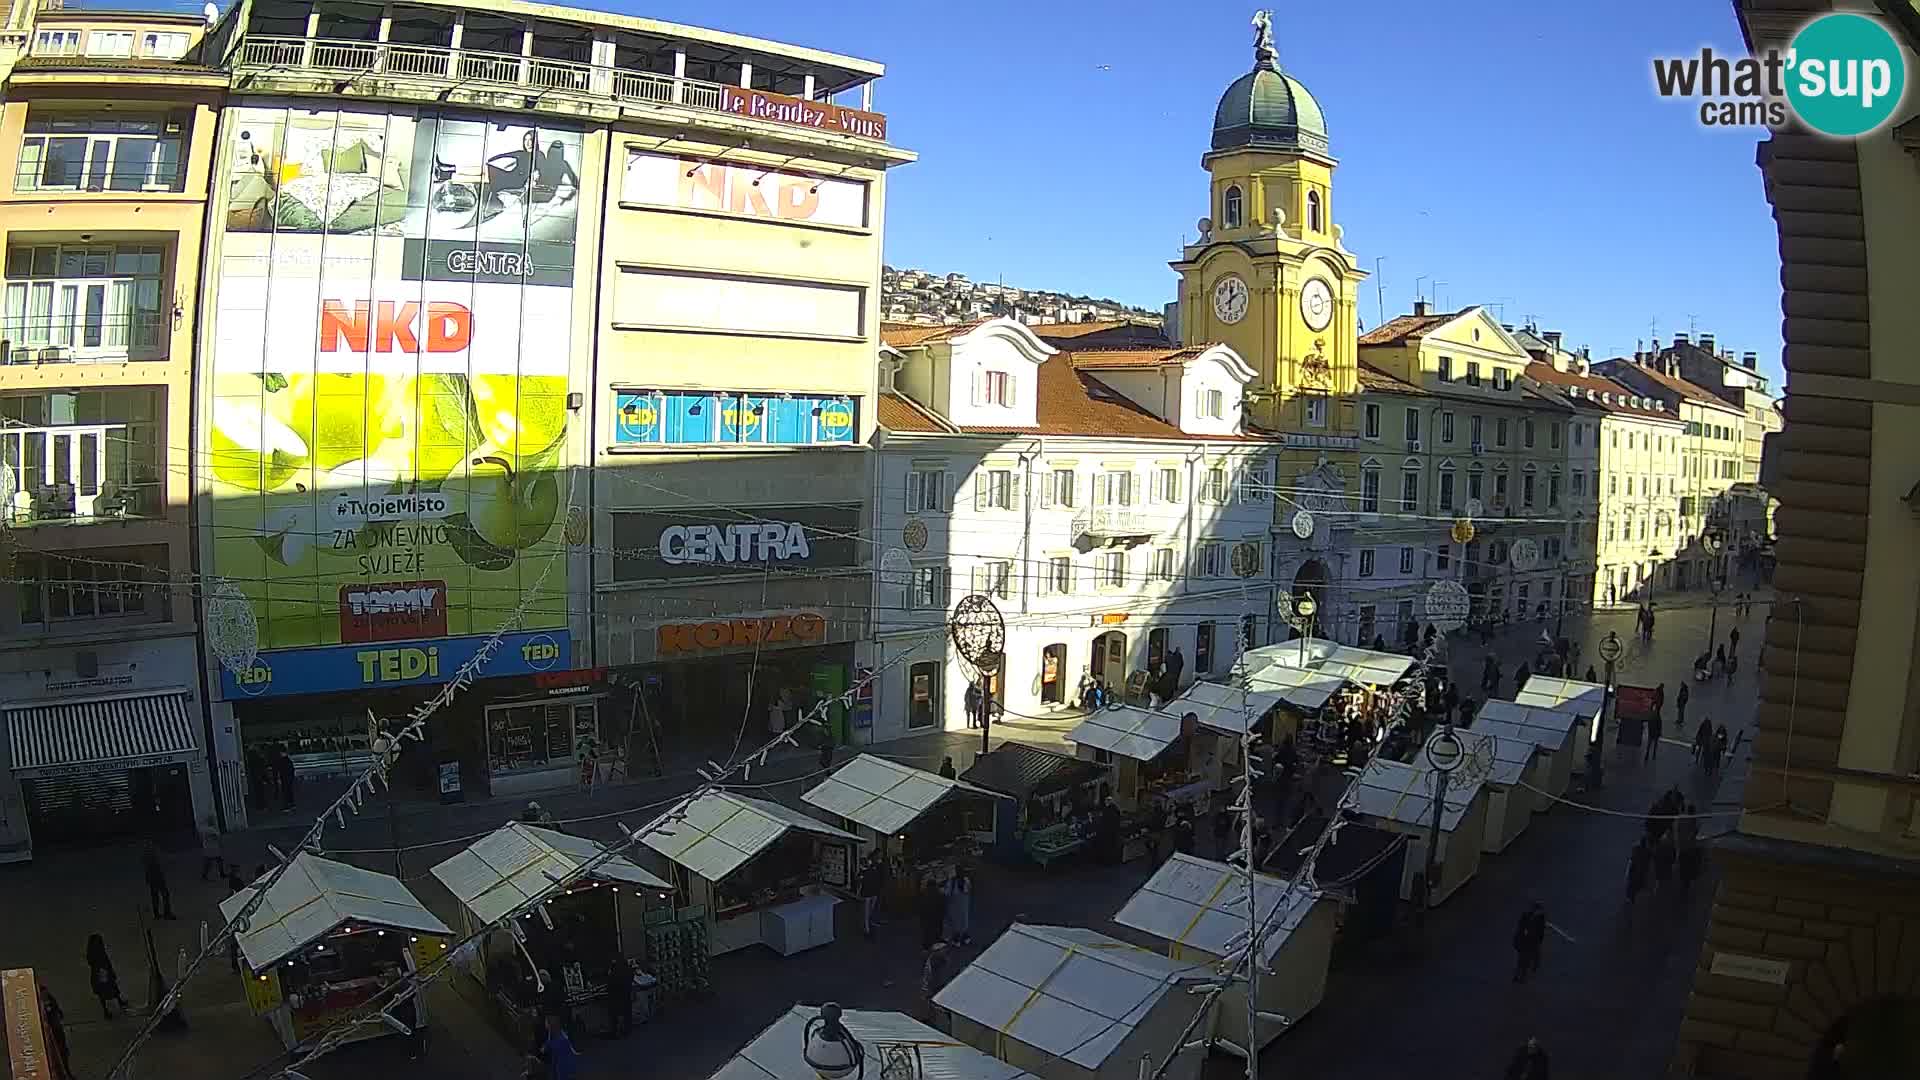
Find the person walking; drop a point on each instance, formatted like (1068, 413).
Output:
(158, 894)
(1490, 676)
(1719, 660)
(1655, 724)
(1663, 860)
(1639, 861)
(1733, 641)
(1719, 746)
(1530, 1062)
(1528, 937)
(947, 771)
(558, 1053)
(959, 916)
(1451, 699)
(933, 914)
(101, 976)
(620, 996)
(1680, 699)
(1649, 622)
(873, 882)
(211, 856)
(1703, 743)
(1592, 675)
(973, 699)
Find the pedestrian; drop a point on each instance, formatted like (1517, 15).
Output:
(100, 976)
(947, 771)
(1490, 677)
(1702, 739)
(873, 882)
(1592, 675)
(1639, 861)
(1719, 660)
(211, 856)
(1176, 667)
(1655, 724)
(933, 914)
(619, 996)
(1664, 852)
(1451, 699)
(1656, 818)
(1733, 641)
(933, 976)
(1529, 1062)
(959, 917)
(1680, 699)
(1520, 676)
(1528, 936)
(283, 775)
(1649, 622)
(1733, 665)
(1183, 834)
(1379, 643)
(562, 1060)
(157, 893)
(1719, 746)
(973, 698)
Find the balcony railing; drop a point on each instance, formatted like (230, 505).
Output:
(73, 473)
(479, 68)
(1112, 523)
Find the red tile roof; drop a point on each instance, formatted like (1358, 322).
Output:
(1406, 327)
(897, 412)
(1108, 333)
(1074, 402)
(1372, 378)
(1674, 383)
(1595, 385)
(1094, 359)
(908, 335)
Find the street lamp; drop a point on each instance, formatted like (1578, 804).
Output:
(1609, 650)
(1716, 584)
(1305, 607)
(829, 1049)
(1444, 753)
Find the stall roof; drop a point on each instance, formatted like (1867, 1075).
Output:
(1514, 735)
(1401, 793)
(1222, 707)
(723, 830)
(885, 795)
(1020, 771)
(517, 862)
(1202, 904)
(1569, 695)
(1352, 853)
(775, 1054)
(316, 896)
(1307, 690)
(1363, 666)
(1503, 757)
(1555, 724)
(1128, 730)
(1069, 992)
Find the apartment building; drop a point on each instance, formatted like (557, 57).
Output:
(1112, 502)
(1737, 380)
(109, 120)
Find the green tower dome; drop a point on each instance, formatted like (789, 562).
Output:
(1268, 109)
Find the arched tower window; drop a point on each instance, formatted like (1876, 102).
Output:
(1315, 219)
(1230, 207)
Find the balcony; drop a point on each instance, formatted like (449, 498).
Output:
(1113, 524)
(262, 55)
(74, 474)
(99, 339)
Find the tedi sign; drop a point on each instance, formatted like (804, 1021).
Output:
(755, 542)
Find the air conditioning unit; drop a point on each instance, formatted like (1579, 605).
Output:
(1413, 444)
(1479, 447)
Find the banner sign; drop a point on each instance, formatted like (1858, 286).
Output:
(781, 109)
(713, 542)
(380, 664)
(743, 190)
(790, 628)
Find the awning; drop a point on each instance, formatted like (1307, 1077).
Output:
(885, 795)
(1555, 724)
(1307, 690)
(1401, 793)
(1567, 695)
(1130, 731)
(1022, 771)
(1223, 708)
(315, 897)
(721, 831)
(1202, 905)
(517, 862)
(126, 732)
(939, 1056)
(1363, 666)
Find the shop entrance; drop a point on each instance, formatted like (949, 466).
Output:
(111, 804)
(1110, 659)
(1053, 665)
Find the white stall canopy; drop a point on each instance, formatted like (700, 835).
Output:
(317, 896)
(517, 862)
(1510, 735)
(1554, 725)
(1392, 791)
(721, 831)
(1202, 905)
(1069, 992)
(775, 1055)
(1225, 708)
(1566, 695)
(885, 795)
(1362, 666)
(1129, 731)
(1501, 756)
(1305, 690)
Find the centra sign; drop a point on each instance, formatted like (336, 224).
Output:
(753, 542)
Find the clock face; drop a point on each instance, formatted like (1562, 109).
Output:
(1230, 299)
(1316, 304)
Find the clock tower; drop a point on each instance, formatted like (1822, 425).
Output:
(1269, 275)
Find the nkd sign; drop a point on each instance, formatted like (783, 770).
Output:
(711, 542)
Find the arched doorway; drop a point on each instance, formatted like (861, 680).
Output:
(1880, 1037)
(1109, 660)
(1311, 580)
(1053, 674)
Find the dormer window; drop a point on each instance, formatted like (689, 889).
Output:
(996, 388)
(1231, 207)
(1501, 379)
(1213, 404)
(1314, 216)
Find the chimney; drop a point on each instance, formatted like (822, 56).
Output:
(1706, 342)
(1553, 339)
(1751, 359)
(1679, 340)
(1419, 307)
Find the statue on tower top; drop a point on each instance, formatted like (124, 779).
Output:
(1264, 54)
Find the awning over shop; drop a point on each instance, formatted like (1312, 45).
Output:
(517, 862)
(129, 731)
(1362, 666)
(1224, 708)
(721, 831)
(1201, 904)
(1071, 993)
(1553, 724)
(1130, 731)
(775, 1054)
(1307, 690)
(1567, 695)
(315, 897)
(1022, 771)
(1401, 793)
(885, 795)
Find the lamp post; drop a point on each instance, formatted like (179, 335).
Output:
(1444, 753)
(1610, 650)
(1305, 608)
(1716, 584)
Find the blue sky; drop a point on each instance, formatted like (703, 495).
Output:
(1511, 148)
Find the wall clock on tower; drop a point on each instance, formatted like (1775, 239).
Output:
(1316, 304)
(1230, 299)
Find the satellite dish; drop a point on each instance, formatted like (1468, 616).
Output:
(1303, 524)
(1524, 554)
(212, 12)
(1475, 508)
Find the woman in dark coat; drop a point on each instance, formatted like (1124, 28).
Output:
(100, 975)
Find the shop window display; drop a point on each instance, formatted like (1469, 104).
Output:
(539, 735)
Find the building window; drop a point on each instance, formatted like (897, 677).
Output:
(1446, 428)
(929, 592)
(109, 43)
(923, 694)
(1316, 410)
(996, 388)
(1476, 430)
(1213, 488)
(1212, 560)
(1113, 570)
(1369, 491)
(1501, 378)
(1213, 404)
(1577, 433)
(1613, 485)
(1113, 488)
(1250, 483)
(1526, 432)
(1553, 435)
(1446, 490)
(1372, 419)
(1500, 431)
(1203, 648)
(1446, 369)
(994, 578)
(996, 489)
(1314, 215)
(926, 490)
(1409, 490)
(1057, 489)
(1473, 373)
(98, 301)
(1443, 557)
(83, 455)
(1406, 560)
(1231, 209)
(1527, 490)
(1475, 487)
(161, 46)
(1553, 491)
(1366, 562)
(1552, 547)
(106, 584)
(1166, 485)
(1413, 427)
(1162, 567)
(1058, 579)
(57, 43)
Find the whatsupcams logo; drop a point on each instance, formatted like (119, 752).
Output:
(1843, 75)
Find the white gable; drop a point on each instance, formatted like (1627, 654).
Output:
(995, 375)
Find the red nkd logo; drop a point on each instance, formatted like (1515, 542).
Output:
(395, 326)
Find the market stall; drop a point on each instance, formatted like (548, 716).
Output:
(572, 943)
(764, 874)
(895, 1044)
(1397, 796)
(1513, 740)
(1055, 799)
(1359, 869)
(326, 940)
(1195, 910)
(1506, 764)
(1224, 715)
(1554, 732)
(1070, 1004)
(1583, 699)
(1148, 750)
(923, 823)
(1360, 696)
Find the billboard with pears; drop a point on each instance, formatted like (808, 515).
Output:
(385, 431)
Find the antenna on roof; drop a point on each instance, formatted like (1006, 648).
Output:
(1379, 290)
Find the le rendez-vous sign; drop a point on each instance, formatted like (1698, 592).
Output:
(781, 109)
